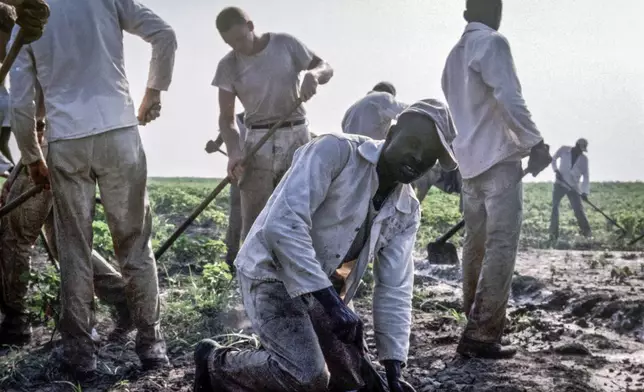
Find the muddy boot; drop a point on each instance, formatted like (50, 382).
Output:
(154, 359)
(74, 372)
(205, 350)
(473, 349)
(123, 323)
(15, 331)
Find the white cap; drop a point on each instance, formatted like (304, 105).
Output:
(442, 118)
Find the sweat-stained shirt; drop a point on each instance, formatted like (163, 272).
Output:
(372, 114)
(484, 95)
(267, 83)
(314, 216)
(79, 63)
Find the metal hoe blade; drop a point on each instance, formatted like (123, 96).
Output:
(442, 253)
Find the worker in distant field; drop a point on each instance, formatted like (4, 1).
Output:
(233, 232)
(372, 114)
(263, 71)
(93, 139)
(345, 198)
(18, 233)
(495, 131)
(573, 165)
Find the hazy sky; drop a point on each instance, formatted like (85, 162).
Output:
(579, 61)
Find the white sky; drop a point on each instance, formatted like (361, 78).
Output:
(580, 63)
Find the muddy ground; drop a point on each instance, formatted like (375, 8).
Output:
(577, 317)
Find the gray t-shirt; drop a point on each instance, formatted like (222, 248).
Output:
(372, 114)
(268, 83)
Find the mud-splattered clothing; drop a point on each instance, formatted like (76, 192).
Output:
(115, 161)
(93, 139)
(296, 244)
(312, 219)
(18, 233)
(266, 168)
(493, 210)
(79, 63)
(299, 350)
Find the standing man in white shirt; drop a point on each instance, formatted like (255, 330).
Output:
(495, 131)
(263, 71)
(372, 114)
(573, 165)
(93, 138)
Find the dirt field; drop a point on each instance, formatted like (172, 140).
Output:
(578, 318)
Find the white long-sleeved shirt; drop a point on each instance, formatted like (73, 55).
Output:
(484, 94)
(311, 220)
(372, 114)
(79, 63)
(572, 173)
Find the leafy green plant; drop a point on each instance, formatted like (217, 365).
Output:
(44, 301)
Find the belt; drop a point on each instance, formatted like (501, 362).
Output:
(286, 124)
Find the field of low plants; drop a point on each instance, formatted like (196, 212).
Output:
(197, 287)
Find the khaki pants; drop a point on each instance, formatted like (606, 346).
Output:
(558, 192)
(493, 209)
(114, 160)
(265, 170)
(19, 232)
(299, 351)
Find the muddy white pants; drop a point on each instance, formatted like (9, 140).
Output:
(299, 352)
(265, 170)
(19, 232)
(493, 209)
(114, 160)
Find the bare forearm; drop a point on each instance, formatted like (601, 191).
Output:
(230, 134)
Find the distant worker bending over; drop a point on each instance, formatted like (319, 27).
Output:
(372, 116)
(573, 165)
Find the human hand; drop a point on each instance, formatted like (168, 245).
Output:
(32, 15)
(214, 145)
(394, 377)
(235, 169)
(39, 173)
(539, 159)
(150, 108)
(347, 326)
